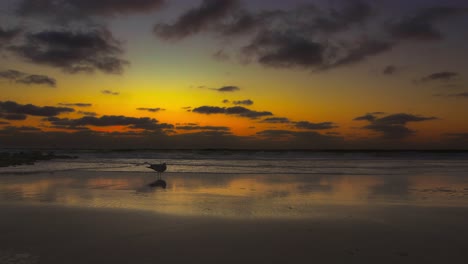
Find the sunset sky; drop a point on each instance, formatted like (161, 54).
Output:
(234, 74)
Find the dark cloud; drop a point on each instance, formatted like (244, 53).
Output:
(195, 127)
(209, 110)
(392, 126)
(153, 110)
(80, 9)
(421, 26)
(73, 51)
(20, 129)
(226, 101)
(308, 37)
(13, 116)
(277, 49)
(243, 102)
(3, 122)
(315, 126)
(196, 19)
(299, 37)
(302, 139)
(109, 92)
(227, 89)
(11, 75)
(389, 70)
(38, 79)
(306, 18)
(145, 123)
(274, 133)
(295, 49)
(353, 12)
(276, 120)
(366, 117)
(26, 78)
(9, 107)
(76, 104)
(440, 76)
(357, 53)
(236, 110)
(87, 113)
(7, 35)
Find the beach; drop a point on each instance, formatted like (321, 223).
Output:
(59, 212)
(47, 234)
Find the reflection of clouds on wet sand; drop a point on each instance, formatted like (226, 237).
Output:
(243, 195)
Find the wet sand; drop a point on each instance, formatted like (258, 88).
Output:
(83, 217)
(51, 234)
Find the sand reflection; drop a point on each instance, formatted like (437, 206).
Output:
(242, 195)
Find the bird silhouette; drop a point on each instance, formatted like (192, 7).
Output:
(159, 168)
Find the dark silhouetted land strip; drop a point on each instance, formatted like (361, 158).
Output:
(28, 158)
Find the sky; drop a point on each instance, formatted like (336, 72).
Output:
(183, 74)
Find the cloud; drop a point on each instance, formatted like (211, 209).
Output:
(277, 49)
(10, 107)
(276, 120)
(80, 9)
(306, 18)
(227, 89)
(19, 129)
(444, 76)
(421, 26)
(76, 104)
(73, 51)
(38, 79)
(7, 35)
(315, 126)
(236, 110)
(13, 116)
(109, 92)
(26, 78)
(212, 128)
(153, 110)
(243, 102)
(145, 123)
(87, 113)
(307, 37)
(392, 126)
(11, 75)
(357, 53)
(302, 139)
(196, 19)
(353, 12)
(389, 70)
(296, 38)
(366, 117)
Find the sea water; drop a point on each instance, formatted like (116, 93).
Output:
(242, 184)
(258, 162)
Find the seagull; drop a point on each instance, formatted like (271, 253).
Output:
(159, 168)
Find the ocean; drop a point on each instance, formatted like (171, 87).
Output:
(242, 184)
(258, 162)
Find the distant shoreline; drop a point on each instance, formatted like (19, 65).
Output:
(28, 158)
(241, 150)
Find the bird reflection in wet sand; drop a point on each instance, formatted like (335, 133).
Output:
(159, 168)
